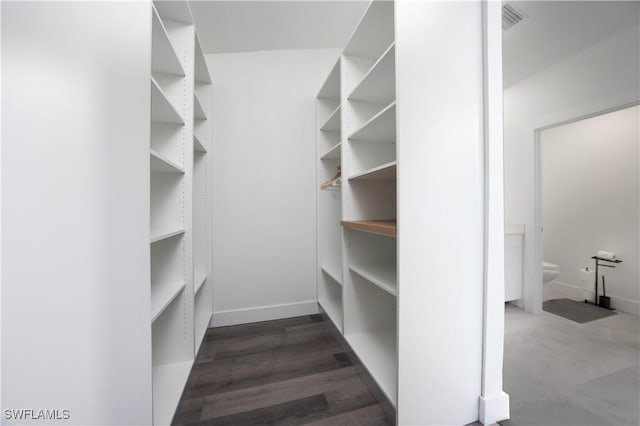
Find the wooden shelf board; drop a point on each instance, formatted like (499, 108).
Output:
(164, 56)
(378, 84)
(381, 227)
(334, 153)
(160, 163)
(385, 171)
(168, 383)
(198, 145)
(333, 272)
(377, 351)
(383, 275)
(333, 122)
(165, 235)
(161, 108)
(161, 299)
(380, 128)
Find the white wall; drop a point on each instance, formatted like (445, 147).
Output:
(75, 219)
(590, 176)
(596, 79)
(264, 214)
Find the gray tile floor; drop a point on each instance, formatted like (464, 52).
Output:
(561, 373)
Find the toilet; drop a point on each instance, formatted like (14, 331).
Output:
(549, 271)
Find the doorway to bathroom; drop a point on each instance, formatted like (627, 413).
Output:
(588, 198)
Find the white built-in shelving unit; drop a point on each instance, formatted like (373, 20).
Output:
(377, 280)
(181, 295)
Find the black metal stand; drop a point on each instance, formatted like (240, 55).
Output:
(598, 264)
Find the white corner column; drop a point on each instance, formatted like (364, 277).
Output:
(494, 403)
(440, 155)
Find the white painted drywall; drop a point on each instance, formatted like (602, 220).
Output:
(590, 196)
(75, 220)
(264, 214)
(596, 79)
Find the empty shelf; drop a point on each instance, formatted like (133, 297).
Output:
(168, 383)
(381, 227)
(163, 56)
(161, 298)
(331, 87)
(380, 128)
(198, 145)
(333, 153)
(198, 110)
(163, 164)
(334, 272)
(377, 351)
(333, 122)
(384, 275)
(161, 109)
(333, 308)
(378, 84)
(383, 172)
(164, 235)
(200, 64)
(200, 280)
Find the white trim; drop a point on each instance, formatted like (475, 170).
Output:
(493, 408)
(493, 401)
(263, 313)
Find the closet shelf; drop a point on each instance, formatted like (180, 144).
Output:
(333, 308)
(378, 84)
(333, 272)
(161, 109)
(160, 163)
(331, 87)
(198, 145)
(166, 235)
(380, 227)
(164, 58)
(174, 11)
(163, 298)
(333, 153)
(383, 275)
(200, 64)
(374, 32)
(380, 128)
(385, 171)
(377, 351)
(168, 383)
(198, 110)
(200, 280)
(333, 122)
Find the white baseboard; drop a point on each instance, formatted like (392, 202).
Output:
(578, 293)
(263, 313)
(493, 408)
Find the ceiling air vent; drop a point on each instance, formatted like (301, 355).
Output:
(510, 16)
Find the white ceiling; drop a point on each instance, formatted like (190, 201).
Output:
(244, 26)
(554, 30)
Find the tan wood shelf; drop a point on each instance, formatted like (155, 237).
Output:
(382, 227)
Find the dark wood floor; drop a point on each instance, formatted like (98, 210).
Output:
(283, 372)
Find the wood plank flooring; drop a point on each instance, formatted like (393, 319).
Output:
(283, 372)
